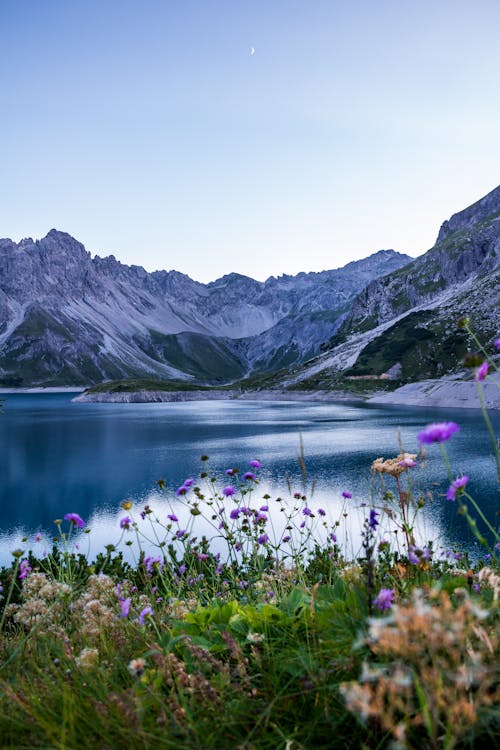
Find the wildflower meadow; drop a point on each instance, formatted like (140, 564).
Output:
(226, 618)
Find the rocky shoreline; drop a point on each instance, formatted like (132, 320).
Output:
(448, 392)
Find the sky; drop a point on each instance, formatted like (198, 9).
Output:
(149, 130)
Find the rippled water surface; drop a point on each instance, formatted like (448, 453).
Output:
(57, 457)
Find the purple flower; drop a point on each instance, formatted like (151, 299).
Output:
(383, 600)
(321, 512)
(255, 464)
(188, 482)
(125, 607)
(173, 517)
(481, 372)
(333, 537)
(496, 343)
(249, 475)
(181, 490)
(286, 538)
(75, 519)
(347, 494)
(152, 563)
(203, 556)
(260, 518)
(146, 612)
(264, 508)
(37, 537)
(457, 484)
(125, 522)
(297, 495)
(413, 558)
(230, 472)
(373, 523)
(182, 569)
(24, 569)
(438, 432)
(228, 491)
(235, 513)
(308, 512)
(181, 533)
(263, 539)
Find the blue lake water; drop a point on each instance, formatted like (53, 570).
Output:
(57, 457)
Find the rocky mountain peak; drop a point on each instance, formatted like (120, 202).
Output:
(465, 219)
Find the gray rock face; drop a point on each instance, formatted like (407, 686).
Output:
(483, 208)
(69, 319)
(468, 248)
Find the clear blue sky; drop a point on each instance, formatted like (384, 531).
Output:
(145, 128)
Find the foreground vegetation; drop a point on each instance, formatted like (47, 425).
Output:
(241, 624)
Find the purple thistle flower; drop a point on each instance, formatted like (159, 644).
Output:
(125, 607)
(75, 519)
(438, 432)
(24, 569)
(413, 558)
(383, 600)
(260, 518)
(481, 372)
(457, 484)
(235, 513)
(250, 476)
(228, 491)
(373, 523)
(125, 522)
(347, 494)
(307, 512)
(173, 517)
(146, 612)
(151, 563)
(263, 539)
(255, 464)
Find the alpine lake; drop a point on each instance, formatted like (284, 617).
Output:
(59, 457)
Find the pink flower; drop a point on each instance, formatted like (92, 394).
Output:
(481, 372)
(24, 569)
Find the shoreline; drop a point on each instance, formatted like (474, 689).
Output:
(447, 392)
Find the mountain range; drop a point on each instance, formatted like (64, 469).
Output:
(69, 319)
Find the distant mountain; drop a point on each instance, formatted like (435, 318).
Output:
(69, 319)
(405, 324)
